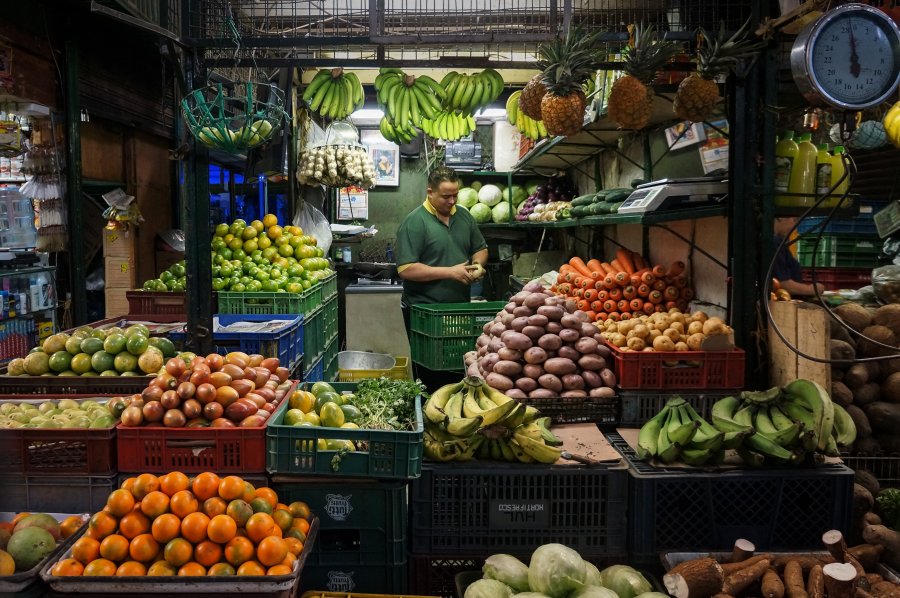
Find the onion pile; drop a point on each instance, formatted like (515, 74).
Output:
(540, 347)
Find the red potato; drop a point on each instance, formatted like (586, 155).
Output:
(510, 369)
(532, 370)
(523, 310)
(498, 381)
(535, 355)
(488, 362)
(593, 363)
(495, 345)
(542, 393)
(588, 329)
(586, 345)
(573, 382)
(550, 382)
(533, 332)
(560, 366)
(571, 321)
(538, 320)
(525, 384)
(609, 378)
(553, 327)
(519, 298)
(568, 353)
(602, 349)
(602, 392)
(515, 340)
(550, 342)
(519, 323)
(592, 379)
(497, 329)
(473, 370)
(486, 329)
(533, 287)
(482, 341)
(535, 300)
(515, 393)
(568, 335)
(553, 312)
(510, 307)
(507, 354)
(574, 393)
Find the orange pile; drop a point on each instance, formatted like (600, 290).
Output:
(174, 525)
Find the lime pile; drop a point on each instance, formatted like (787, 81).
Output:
(65, 413)
(172, 278)
(90, 352)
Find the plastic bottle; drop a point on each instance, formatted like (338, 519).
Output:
(803, 173)
(34, 292)
(837, 172)
(823, 170)
(347, 256)
(785, 152)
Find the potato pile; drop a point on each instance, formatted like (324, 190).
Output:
(540, 347)
(663, 331)
(869, 391)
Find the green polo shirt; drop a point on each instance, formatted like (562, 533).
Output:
(423, 238)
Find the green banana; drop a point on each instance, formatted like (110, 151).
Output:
(685, 432)
(744, 415)
(844, 430)
(710, 443)
(735, 439)
(484, 450)
(808, 440)
(815, 398)
(670, 453)
(779, 419)
(696, 456)
(506, 450)
(537, 450)
(519, 452)
(797, 412)
(464, 426)
(548, 436)
(769, 448)
(831, 448)
(723, 412)
(663, 443)
(464, 87)
(496, 451)
(319, 97)
(786, 437)
(317, 81)
(761, 397)
(512, 107)
(763, 423)
(434, 86)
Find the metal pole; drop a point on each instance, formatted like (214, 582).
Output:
(77, 265)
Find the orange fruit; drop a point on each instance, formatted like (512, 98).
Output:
(184, 503)
(85, 550)
(161, 568)
(239, 510)
(276, 531)
(295, 533)
(173, 482)
(268, 494)
(271, 551)
(214, 506)
(283, 519)
(70, 525)
(144, 485)
(100, 567)
(300, 509)
(259, 526)
(249, 491)
(289, 560)
(251, 568)
(131, 569)
(221, 529)
(205, 485)
(231, 487)
(102, 524)
(120, 502)
(129, 484)
(178, 552)
(165, 527)
(239, 550)
(143, 548)
(301, 524)
(221, 569)
(279, 570)
(134, 524)
(114, 547)
(193, 527)
(67, 568)
(192, 569)
(261, 505)
(208, 553)
(155, 504)
(283, 506)
(295, 546)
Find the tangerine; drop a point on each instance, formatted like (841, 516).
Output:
(240, 511)
(184, 503)
(128, 484)
(271, 551)
(295, 533)
(102, 524)
(165, 527)
(100, 568)
(221, 569)
(131, 569)
(134, 524)
(300, 509)
(301, 524)
(120, 502)
(259, 526)
(194, 526)
(178, 552)
(279, 570)
(205, 485)
(221, 529)
(239, 550)
(114, 547)
(231, 487)
(192, 569)
(161, 568)
(155, 504)
(173, 482)
(214, 506)
(144, 485)
(283, 519)
(208, 553)
(295, 546)
(261, 505)
(70, 525)
(251, 568)
(249, 491)
(289, 560)
(67, 568)
(144, 548)
(85, 550)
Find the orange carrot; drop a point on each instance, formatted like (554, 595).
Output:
(649, 308)
(581, 305)
(643, 290)
(593, 265)
(596, 306)
(659, 271)
(602, 295)
(561, 277)
(675, 268)
(629, 292)
(609, 306)
(624, 257)
(578, 263)
(590, 294)
(566, 268)
(648, 277)
(601, 316)
(671, 293)
(671, 305)
(617, 265)
(592, 315)
(636, 305)
(609, 282)
(599, 285)
(622, 305)
(615, 293)
(687, 293)
(578, 293)
(655, 297)
(659, 285)
(607, 267)
(660, 308)
(614, 316)
(680, 281)
(577, 281)
(639, 262)
(571, 275)
(635, 279)
(597, 274)
(622, 279)
(625, 316)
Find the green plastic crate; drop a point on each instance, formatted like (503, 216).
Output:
(392, 454)
(313, 336)
(441, 353)
(843, 251)
(329, 287)
(330, 359)
(449, 320)
(331, 369)
(331, 317)
(271, 303)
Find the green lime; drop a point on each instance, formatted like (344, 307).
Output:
(91, 345)
(102, 361)
(81, 363)
(109, 373)
(136, 344)
(114, 344)
(125, 362)
(167, 347)
(60, 361)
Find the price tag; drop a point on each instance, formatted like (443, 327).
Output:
(124, 267)
(887, 220)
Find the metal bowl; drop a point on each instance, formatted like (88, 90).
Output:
(365, 360)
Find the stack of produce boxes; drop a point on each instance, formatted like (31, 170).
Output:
(354, 476)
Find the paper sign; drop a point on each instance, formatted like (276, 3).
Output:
(353, 204)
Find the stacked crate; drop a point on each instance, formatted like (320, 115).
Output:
(119, 269)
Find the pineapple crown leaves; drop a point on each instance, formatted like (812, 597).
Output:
(721, 54)
(567, 62)
(648, 54)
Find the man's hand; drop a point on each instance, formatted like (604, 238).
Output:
(477, 270)
(461, 273)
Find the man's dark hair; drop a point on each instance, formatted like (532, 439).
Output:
(441, 174)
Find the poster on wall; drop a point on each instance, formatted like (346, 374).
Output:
(353, 203)
(386, 159)
(714, 151)
(684, 134)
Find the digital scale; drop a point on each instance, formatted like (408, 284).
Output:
(674, 193)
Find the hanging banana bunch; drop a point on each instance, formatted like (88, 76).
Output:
(448, 125)
(467, 93)
(407, 101)
(530, 128)
(334, 93)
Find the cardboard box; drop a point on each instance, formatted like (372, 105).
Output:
(118, 243)
(116, 302)
(119, 272)
(506, 146)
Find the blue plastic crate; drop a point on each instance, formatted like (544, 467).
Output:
(315, 372)
(860, 225)
(285, 343)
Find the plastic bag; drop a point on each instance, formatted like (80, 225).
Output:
(886, 283)
(313, 222)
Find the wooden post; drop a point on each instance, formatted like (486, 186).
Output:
(806, 327)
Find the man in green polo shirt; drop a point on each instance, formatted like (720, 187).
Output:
(439, 245)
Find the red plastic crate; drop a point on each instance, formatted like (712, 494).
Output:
(839, 278)
(156, 302)
(67, 451)
(636, 370)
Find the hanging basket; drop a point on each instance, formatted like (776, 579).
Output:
(338, 161)
(235, 119)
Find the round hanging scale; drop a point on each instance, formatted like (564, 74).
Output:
(848, 59)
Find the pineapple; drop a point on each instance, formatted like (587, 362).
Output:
(698, 94)
(570, 63)
(630, 103)
(530, 99)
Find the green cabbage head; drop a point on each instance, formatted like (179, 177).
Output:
(501, 213)
(625, 581)
(467, 197)
(507, 569)
(490, 195)
(488, 588)
(481, 213)
(593, 592)
(556, 570)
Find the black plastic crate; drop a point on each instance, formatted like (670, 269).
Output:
(361, 522)
(575, 410)
(371, 578)
(785, 508)
(54, 493)
(639, 406)
(884, 467)
(498, 507)
(434, 575)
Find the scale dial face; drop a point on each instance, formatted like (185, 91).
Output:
(848, 59)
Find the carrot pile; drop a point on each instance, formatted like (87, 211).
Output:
(623, 287)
